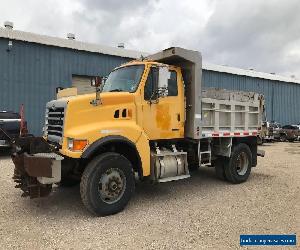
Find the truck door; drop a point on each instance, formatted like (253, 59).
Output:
(163, 117)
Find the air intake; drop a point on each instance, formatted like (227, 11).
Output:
(121, 45)
(9, 25)
(71, 36)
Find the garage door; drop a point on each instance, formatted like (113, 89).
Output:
(83, 84)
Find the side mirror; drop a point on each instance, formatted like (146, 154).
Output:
(163, 77)
(96, 81)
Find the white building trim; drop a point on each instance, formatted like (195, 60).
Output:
(96, 48)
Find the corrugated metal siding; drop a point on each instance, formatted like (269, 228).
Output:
(30, 73)
(282, 99)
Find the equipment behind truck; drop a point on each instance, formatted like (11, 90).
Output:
(152, 119)
(12, 125)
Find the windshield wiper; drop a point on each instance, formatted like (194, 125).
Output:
(116, 90)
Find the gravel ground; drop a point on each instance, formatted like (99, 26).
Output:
(198, 213)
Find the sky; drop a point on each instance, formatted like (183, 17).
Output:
(260, 34)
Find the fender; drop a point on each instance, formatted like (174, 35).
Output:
(115, 139)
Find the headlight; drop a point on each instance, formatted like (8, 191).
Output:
(77, 144)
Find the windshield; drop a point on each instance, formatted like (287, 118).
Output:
(124, 79)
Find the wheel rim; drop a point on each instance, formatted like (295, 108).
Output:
(242, 163)
(112, 185)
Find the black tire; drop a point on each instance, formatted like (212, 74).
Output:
(91, 186)
(219, 165)
(283, 138)
(291, 140)
(240, 155)
(68, 182)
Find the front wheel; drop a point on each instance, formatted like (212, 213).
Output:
(239, 166)
(107, 184)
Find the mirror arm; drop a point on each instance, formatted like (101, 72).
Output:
(97, 101)
(97, 82)
(155, 100)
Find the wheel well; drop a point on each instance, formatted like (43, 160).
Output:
(123, 147)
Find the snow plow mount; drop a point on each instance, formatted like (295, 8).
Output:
(37, 167)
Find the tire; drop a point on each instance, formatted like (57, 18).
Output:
(220, 164)
(68, 182)
(291, 140)
(107, 184)
(283, 138)
(239, 165)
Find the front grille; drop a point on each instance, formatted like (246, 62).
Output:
(55, 123)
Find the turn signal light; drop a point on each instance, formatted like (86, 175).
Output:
(77, 145)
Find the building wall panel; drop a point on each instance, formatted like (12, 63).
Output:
(30, 73)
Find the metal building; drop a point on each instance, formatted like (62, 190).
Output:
(32, 66)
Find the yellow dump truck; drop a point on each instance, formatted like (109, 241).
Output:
(151, 119)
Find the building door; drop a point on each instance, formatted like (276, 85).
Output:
(83, 84)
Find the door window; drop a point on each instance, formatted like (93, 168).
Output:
(149, 88)
(150, 84)
(172, 84)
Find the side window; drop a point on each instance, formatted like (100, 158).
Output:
(149, 86)
(172, 84)
(152, 77)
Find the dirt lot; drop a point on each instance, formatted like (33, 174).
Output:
(198, 213)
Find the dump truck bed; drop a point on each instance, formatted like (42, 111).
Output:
(230, 113)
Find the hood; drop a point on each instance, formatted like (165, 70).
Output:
(107, 98)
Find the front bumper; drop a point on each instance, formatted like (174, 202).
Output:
(36, 167)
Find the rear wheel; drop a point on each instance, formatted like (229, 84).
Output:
(239, 165)
(107, 184)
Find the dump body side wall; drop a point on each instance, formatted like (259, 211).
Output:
(230, 112)
(281, 98)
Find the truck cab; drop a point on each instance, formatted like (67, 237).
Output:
(130, 106)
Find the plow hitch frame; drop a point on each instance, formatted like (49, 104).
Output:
(37, 166)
